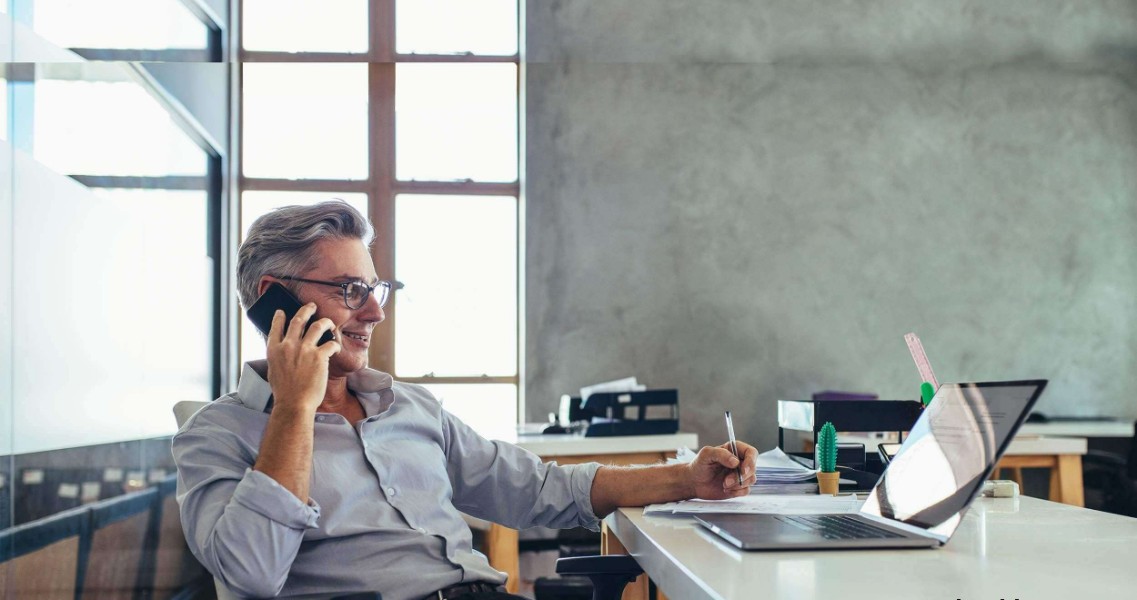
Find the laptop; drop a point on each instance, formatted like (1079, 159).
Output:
(922, 495)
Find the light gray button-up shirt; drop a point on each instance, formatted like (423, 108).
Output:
(385, 495)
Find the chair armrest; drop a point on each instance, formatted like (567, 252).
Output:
(609, 564)
(609, 573)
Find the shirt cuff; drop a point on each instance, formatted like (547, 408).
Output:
(581, 482)
(265, 496)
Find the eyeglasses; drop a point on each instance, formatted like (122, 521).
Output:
(355, 293)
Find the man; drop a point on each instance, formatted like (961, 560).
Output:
(320, 477)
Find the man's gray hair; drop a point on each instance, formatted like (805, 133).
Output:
(281, 242)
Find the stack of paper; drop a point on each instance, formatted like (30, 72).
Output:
(777, 473)
(754, 503)
(780, 474)
(627, 384)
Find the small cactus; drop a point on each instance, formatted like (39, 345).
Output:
(827, 449)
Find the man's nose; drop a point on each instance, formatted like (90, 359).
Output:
(371, 311)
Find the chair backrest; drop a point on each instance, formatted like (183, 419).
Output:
(122, 536)
(185, 409)
(174, 565)
(44, 558)
(182, 412)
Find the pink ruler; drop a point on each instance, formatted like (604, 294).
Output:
(921, 358)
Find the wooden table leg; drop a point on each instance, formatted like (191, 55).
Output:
(1066, 481)
(501, 550)
(636, 590)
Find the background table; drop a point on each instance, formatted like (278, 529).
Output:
(1061, 455)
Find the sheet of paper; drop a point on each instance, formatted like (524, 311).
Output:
(627, 384)
(804, 504)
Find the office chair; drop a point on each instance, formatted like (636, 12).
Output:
(609, 574)
(1116, 477)
(182, 412)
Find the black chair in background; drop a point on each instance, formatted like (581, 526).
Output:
(1114, 477)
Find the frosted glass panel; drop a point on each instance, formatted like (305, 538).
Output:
(305, 121)
(305, 25)
(456, 26)
(490, 408)
(456, 122)
(3, 105)
(108, 128)
(457, 256)
(130, 334)
(5, 308)
(255, 204)
(139, 24)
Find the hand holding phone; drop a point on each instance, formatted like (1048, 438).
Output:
(298, 358)
(275, 298)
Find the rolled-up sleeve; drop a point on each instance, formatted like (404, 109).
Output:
(503, 483)
(242, 525)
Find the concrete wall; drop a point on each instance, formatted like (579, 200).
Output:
(756, 200)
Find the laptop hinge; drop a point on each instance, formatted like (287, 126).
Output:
(905, 527)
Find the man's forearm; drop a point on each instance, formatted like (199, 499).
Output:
(638, 486)
(286, 450)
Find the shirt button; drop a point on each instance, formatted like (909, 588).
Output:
(421, 530)
(390, 491)
(320, 418)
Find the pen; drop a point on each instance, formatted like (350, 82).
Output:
(734, 447)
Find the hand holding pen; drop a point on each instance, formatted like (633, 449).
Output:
(715, 470)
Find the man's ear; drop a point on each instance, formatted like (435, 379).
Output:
(262, 285)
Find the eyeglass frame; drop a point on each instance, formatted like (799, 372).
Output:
(344, 285)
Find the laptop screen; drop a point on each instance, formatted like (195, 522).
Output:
(951, 450)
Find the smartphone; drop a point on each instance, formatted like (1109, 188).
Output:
(277, 297)
(887, 451)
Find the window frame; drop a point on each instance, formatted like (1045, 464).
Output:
(381, 186)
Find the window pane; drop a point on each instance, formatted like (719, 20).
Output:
(490, 408)
(456, 26)
(456, 122)
(457, 256)
(108, 128)
(255, 204)
(305, 121)
(305, 25)
(139, 24)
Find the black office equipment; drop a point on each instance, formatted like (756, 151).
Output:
(650, 412)
(846, 415)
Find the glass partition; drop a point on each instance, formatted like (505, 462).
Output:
(108, 204)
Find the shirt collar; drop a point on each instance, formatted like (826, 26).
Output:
(254, 391)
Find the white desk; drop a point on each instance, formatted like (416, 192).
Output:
(1004, 548)
(1085, 429)
(568, 449)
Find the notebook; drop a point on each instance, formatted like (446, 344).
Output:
(922, 495)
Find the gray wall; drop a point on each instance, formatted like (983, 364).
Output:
(756, 200)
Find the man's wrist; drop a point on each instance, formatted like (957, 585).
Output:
(685, 480)
(292, 409)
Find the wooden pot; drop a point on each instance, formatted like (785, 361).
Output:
(827, 483)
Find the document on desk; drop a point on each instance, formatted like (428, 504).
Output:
(805, 504)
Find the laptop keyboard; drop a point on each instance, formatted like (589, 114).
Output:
(839, 527)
